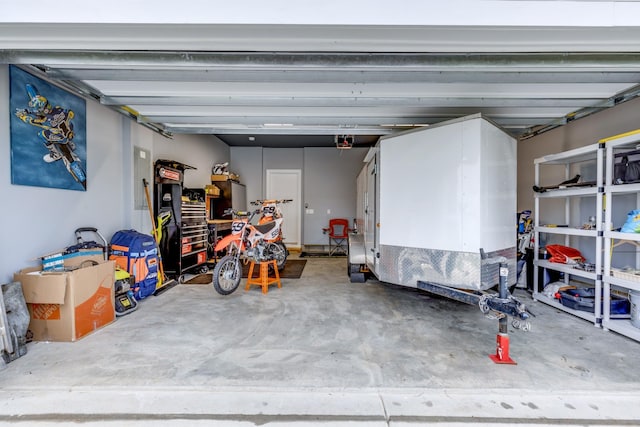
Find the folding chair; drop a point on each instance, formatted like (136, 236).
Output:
(338, 232)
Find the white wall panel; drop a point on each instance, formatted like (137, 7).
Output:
(451, 187)
(421, 182)
(498, 189)
(355, 12)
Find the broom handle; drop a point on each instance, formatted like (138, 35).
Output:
(153, 227)
(153, 221)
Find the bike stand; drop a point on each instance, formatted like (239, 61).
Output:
(264, 280)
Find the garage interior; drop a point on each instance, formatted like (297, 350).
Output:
(276, 87)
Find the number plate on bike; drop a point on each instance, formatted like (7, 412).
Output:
(237, 226)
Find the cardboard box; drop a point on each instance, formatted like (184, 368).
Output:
(66, 306)
(59, 260)
(229, 177)
(212, 190)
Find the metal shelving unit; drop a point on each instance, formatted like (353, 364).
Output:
(623, 143)
(570, 161)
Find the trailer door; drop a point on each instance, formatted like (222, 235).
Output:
(370, 217)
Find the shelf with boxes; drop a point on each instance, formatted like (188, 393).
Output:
(573, 228)
(621, 237)
(223, 193)
(231, 194)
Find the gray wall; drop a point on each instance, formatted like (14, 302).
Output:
(586, 131)
(328, 175)
(251, 164)
(199, 151)
(36, 220)
(247, 162)
(329, 184)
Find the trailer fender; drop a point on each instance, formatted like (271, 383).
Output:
(356, 249)
(356, 265)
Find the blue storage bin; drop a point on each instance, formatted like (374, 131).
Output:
(584, 299)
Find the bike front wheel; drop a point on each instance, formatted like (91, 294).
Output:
(227, 275)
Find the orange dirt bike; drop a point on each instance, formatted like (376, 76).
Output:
(270, 211)
(247, 242)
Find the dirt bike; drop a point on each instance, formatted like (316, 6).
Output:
(270, 211)
(247, 242)
(72, 163)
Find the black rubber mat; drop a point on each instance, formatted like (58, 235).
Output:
(292, 270)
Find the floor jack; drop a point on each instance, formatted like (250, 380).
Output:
(497, 306)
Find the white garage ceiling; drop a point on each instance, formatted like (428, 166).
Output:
(296, 85)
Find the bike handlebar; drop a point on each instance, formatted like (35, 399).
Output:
(230, 211)
(261, 201)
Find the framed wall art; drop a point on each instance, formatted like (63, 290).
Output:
(48, 134)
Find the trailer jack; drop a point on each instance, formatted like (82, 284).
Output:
(498, 306)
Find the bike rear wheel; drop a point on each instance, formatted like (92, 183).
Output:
(278, 251)
(227, 275)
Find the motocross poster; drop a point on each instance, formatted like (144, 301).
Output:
(48, 134)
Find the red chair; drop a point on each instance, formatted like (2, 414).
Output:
(338, 231)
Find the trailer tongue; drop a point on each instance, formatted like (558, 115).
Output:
(498, 306)
(490, 304)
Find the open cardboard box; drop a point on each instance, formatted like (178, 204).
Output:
(66, 306)
(228, 177)
(59, 260)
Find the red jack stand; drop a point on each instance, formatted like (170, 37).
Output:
(502, 351)
(502, 340)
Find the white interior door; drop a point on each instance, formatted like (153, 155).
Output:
(287, 184)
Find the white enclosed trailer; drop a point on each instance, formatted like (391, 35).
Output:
(438, 205)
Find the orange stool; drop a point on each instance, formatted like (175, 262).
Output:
(263, 280)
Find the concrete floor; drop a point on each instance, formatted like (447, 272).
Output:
(323, 351)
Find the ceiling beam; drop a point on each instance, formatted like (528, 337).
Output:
(382, 120)
(553, 62)
(288, 130)
(344, 76)
(298, 101)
